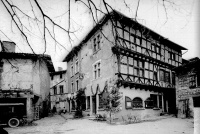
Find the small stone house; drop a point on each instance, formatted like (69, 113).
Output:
(188, 87)
(25, 78)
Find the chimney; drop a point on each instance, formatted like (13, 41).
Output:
(8, 46)
(60, 69)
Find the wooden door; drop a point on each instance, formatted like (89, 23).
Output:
(94, 104)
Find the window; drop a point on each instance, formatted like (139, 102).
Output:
(55, 90)
(153, 48)
(155, 100)
(72, 87)
(96, 42)
(88, 102)
(73, 105)
(60, 76)
(148, 103)
(137, 40)
(164, 76)
(97, 70)
(61, 89)
(137, 102)
(158, 49)
(72, 70)
(77, 85)
(139, 68)
(76, 66)
(101, 104)
(192, 81)
(141, 72)
(128, 102)
(155, 76)
(95, 45)
(167, 76)
(171, 55)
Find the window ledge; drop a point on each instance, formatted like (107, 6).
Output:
(138, 108)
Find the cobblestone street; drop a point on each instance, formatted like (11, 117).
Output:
(61, 125)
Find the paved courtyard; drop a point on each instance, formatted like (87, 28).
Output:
(64, 125)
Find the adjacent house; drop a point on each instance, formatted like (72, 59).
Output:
(188, 87)
(25, 79)
(58, 90)
(119, 50)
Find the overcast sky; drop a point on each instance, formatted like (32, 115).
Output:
(179, 25)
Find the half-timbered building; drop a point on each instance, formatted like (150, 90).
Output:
(119, 50)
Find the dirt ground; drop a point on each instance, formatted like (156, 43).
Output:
(65, 125)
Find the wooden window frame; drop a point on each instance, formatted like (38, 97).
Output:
(192, 81)
(128, 101)
(61, 89)
(96, 43)
(77, 84)
(137, 103)
(97, 70)
(54, 90)
(149, 103)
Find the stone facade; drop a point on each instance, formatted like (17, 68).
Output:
(187, 87)
(25, 79)
(58, 90)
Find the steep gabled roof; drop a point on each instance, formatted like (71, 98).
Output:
(44, 57)
(127, 21)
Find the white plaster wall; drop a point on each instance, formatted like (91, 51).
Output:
(132, 93)
(26, 75)
(18, 77)
(36, 78)
(44, 79)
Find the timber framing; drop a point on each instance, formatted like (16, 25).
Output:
(128, 52)
(115, 16)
